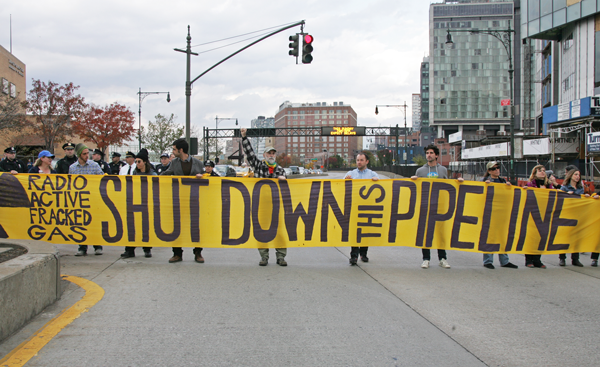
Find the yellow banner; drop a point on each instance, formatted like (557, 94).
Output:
(256, 213)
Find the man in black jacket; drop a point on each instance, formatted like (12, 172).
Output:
(62, 166)
(98, 157)
(116, 164)
(10, 163)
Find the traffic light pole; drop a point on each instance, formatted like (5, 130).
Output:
(188, 82)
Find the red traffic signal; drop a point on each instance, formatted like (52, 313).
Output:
(307, 49)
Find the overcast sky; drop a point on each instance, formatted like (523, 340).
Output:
(365, 53)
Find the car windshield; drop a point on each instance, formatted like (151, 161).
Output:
(221, 170)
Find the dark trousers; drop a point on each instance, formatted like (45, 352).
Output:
(178, 251)
(595, 255)
(355, 251)
(574, 256)
(84, 248)
(533, 259)
(132, 249)
(427, 254)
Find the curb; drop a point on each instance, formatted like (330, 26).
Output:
(28, 284)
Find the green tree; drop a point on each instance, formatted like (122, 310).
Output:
(161, 133)
(419, 160)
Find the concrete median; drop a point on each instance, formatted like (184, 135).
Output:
(28, 284)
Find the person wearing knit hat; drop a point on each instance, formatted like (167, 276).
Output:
(85, 166)
(130, 166)
(142, 168)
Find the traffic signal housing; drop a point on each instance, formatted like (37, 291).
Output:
(294, 45)
(307, 49)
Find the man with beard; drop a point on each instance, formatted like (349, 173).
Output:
(62, 166)
(116, 164)
(10, 163)
(165, 162)
(184, 165)
(268, 168)
(98, 157)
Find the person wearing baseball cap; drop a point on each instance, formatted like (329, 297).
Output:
(10, 163)
(492, 174)
(267, 168)
(116, 164)
(98, 157)
(62, 166)
(165, 162)
(43, 163)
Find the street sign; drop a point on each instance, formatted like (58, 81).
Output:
(505, 102)
(343, 130)
(314, 159)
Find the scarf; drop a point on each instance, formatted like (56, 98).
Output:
(271, 167)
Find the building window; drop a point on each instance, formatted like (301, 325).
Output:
(568, 82)
(568, 42)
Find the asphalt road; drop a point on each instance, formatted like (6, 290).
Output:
(319, 311)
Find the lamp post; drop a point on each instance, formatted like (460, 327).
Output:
(141, 96)
(217, 120)
(326, 159)
(405, 129)
(505, 37)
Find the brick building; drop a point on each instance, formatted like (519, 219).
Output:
(317, 115)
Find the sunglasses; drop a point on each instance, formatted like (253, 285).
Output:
(494, 168)
(139, 161)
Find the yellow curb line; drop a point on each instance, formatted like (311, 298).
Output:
(29, 349)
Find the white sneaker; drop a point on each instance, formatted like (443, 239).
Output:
(98, 252)
(81, 253)
(444, 264)
(425, 264)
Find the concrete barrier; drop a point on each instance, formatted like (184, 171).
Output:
(28, 284)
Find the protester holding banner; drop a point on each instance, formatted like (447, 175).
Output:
(493, 175)
(62, 166)
(10, 163)
(537, 180)
(432, 169)
(184, 165)
(267, 168)
(361, 173)
(142, 168)
(43, 163)
(128, 168)
(572, 185)
(85, 166)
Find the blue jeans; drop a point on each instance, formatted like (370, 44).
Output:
(489, 259)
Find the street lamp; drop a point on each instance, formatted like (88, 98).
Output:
(217, 120)
(405, 130)
(141, 96)
(326, 159)
(504, 36)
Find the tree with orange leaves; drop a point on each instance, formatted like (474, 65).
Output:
(54, 109)
(105, 126)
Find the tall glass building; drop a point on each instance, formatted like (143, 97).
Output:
(468, 80)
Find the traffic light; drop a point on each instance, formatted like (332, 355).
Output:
(307, 49)
(294, 45)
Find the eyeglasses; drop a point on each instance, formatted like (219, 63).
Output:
(494, 168)
(139, 161)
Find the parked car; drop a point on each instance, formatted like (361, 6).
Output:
(302, 170)
(225, 170)
(295, 170)
(244, 172)
(288, 171)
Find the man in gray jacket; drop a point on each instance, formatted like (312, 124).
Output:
(184, 165)
(433, 170)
